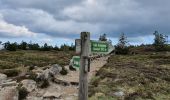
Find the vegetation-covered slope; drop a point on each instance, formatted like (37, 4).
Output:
(135, 77)
(19, 60)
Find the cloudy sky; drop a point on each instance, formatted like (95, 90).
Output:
(61, 21)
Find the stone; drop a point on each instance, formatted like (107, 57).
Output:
(52, 71)
(3, 78)
(52, 95)
(55, 69)
(34, 98)
(30, 85)
(9, 93)
(119, 93)
(12, 83)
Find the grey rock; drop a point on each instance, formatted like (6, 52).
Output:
(52, 71)
(30, 85)
(12, 83)
(55, 69)
(52, 95)
(34, 98)
(119, 93)
(9, 93)
(3, 78)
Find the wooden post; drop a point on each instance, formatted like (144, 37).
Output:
(83, 81)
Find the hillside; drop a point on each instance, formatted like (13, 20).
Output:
(133, 77)
(22, 60)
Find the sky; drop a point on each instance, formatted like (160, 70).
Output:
(62, 21)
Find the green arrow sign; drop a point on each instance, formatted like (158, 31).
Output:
(99, 46)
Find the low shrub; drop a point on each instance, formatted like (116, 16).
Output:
(22, 93)
(32, 76)
(44, 84)
(12, 72)
(64, 71)
(120, 50)
(31, 67)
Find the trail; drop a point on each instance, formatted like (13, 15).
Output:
(71, 92)
(62, 89)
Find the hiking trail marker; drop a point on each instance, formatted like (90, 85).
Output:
(76, 61)
(86, 47)
(99, 46)
(84, 66)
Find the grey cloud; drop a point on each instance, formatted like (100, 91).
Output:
(67, 18)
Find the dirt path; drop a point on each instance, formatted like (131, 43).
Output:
(71, 92)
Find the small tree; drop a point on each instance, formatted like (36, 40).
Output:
(56, 48)
(64, 47)
(23, 45)
(103, 37)
(33, 46)
(159, 41)
(72, 47)
(46, 47)
(10, 46)
(122, 46)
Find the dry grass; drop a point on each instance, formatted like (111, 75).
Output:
(21, 59)
(139, 77)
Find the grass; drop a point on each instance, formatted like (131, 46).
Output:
(140, 77)
(22, 59)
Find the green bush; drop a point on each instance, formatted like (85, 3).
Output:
(120, 50)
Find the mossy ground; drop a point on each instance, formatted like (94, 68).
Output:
(140, 77)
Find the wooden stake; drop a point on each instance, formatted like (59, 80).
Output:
(83, 81)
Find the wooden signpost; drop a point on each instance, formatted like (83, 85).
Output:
(85, 47)
(84, 65)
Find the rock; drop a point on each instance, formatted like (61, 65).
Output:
(99, 94)
(52, 95)
(119, 94)
(61, 82)
(34, 98)
(52, 71)
(9, 93)
(3, 78)
(5, 84)
(55, 69)
(30, 85)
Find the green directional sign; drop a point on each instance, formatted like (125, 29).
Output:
(76, 61)
(99, 46)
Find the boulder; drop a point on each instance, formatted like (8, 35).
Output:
(30, 85)
(55, 69)
(52, 71)
(9, 93)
